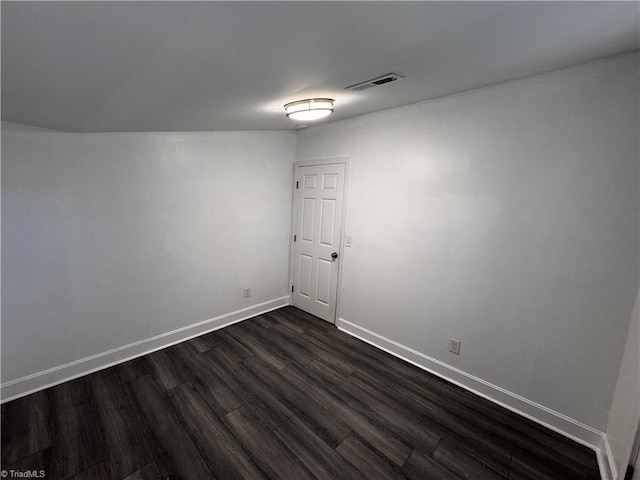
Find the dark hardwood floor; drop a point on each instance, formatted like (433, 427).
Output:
(280, 396)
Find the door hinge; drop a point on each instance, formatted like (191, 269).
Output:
(294, 238)
(291, 288)
(297, 185)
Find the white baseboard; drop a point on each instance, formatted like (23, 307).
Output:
(62, 373)
(569, 427)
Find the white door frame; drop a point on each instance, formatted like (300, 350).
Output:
(294, 220)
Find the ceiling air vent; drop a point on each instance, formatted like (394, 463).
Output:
(374, 82)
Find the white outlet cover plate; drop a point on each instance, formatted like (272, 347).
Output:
(454, 345)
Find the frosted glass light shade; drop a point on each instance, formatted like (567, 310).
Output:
(309, 109)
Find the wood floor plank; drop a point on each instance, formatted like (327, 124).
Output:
(421, 466)
(461, 462)
(417, 406)
(25, 427)
(39, 461)
(321, 421)
(148, 472)
(201, 373)
(200, 344)
(317, 350)
(125, 443)
(343, 346)
(264, 406)
(212, 339)
(225, 365)
(386, 443)
(166, 371)
(355, 451)
(532, 468)
(385, 415)
(288, 321)
(232, 347)
(224, 455)
(321, 459)
(77, 440)
(136, 368)
(306, 319)
(342, 349)
(483, 420)
(257, 347)
(266, 451)
(287, 350)
(175, 453)
(95, 472)
(265, 321)
(229, 351)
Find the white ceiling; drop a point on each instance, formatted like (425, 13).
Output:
(171, 66)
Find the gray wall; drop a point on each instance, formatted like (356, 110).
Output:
(108, 239)
(506, 217)
(622, 426)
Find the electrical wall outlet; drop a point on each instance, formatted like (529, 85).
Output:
(454, 345)
(247, 292)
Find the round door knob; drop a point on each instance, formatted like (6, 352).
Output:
(334, 255)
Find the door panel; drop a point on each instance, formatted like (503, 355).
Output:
(329, 181)
(309, 182)
(318, 228)
(327, 222)
(304, 280)
(323, 291)
(308, 218)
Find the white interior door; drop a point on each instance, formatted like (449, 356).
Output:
(319, 198)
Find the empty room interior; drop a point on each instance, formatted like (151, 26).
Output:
(320, 240)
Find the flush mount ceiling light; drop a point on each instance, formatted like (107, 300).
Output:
(309, 109)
